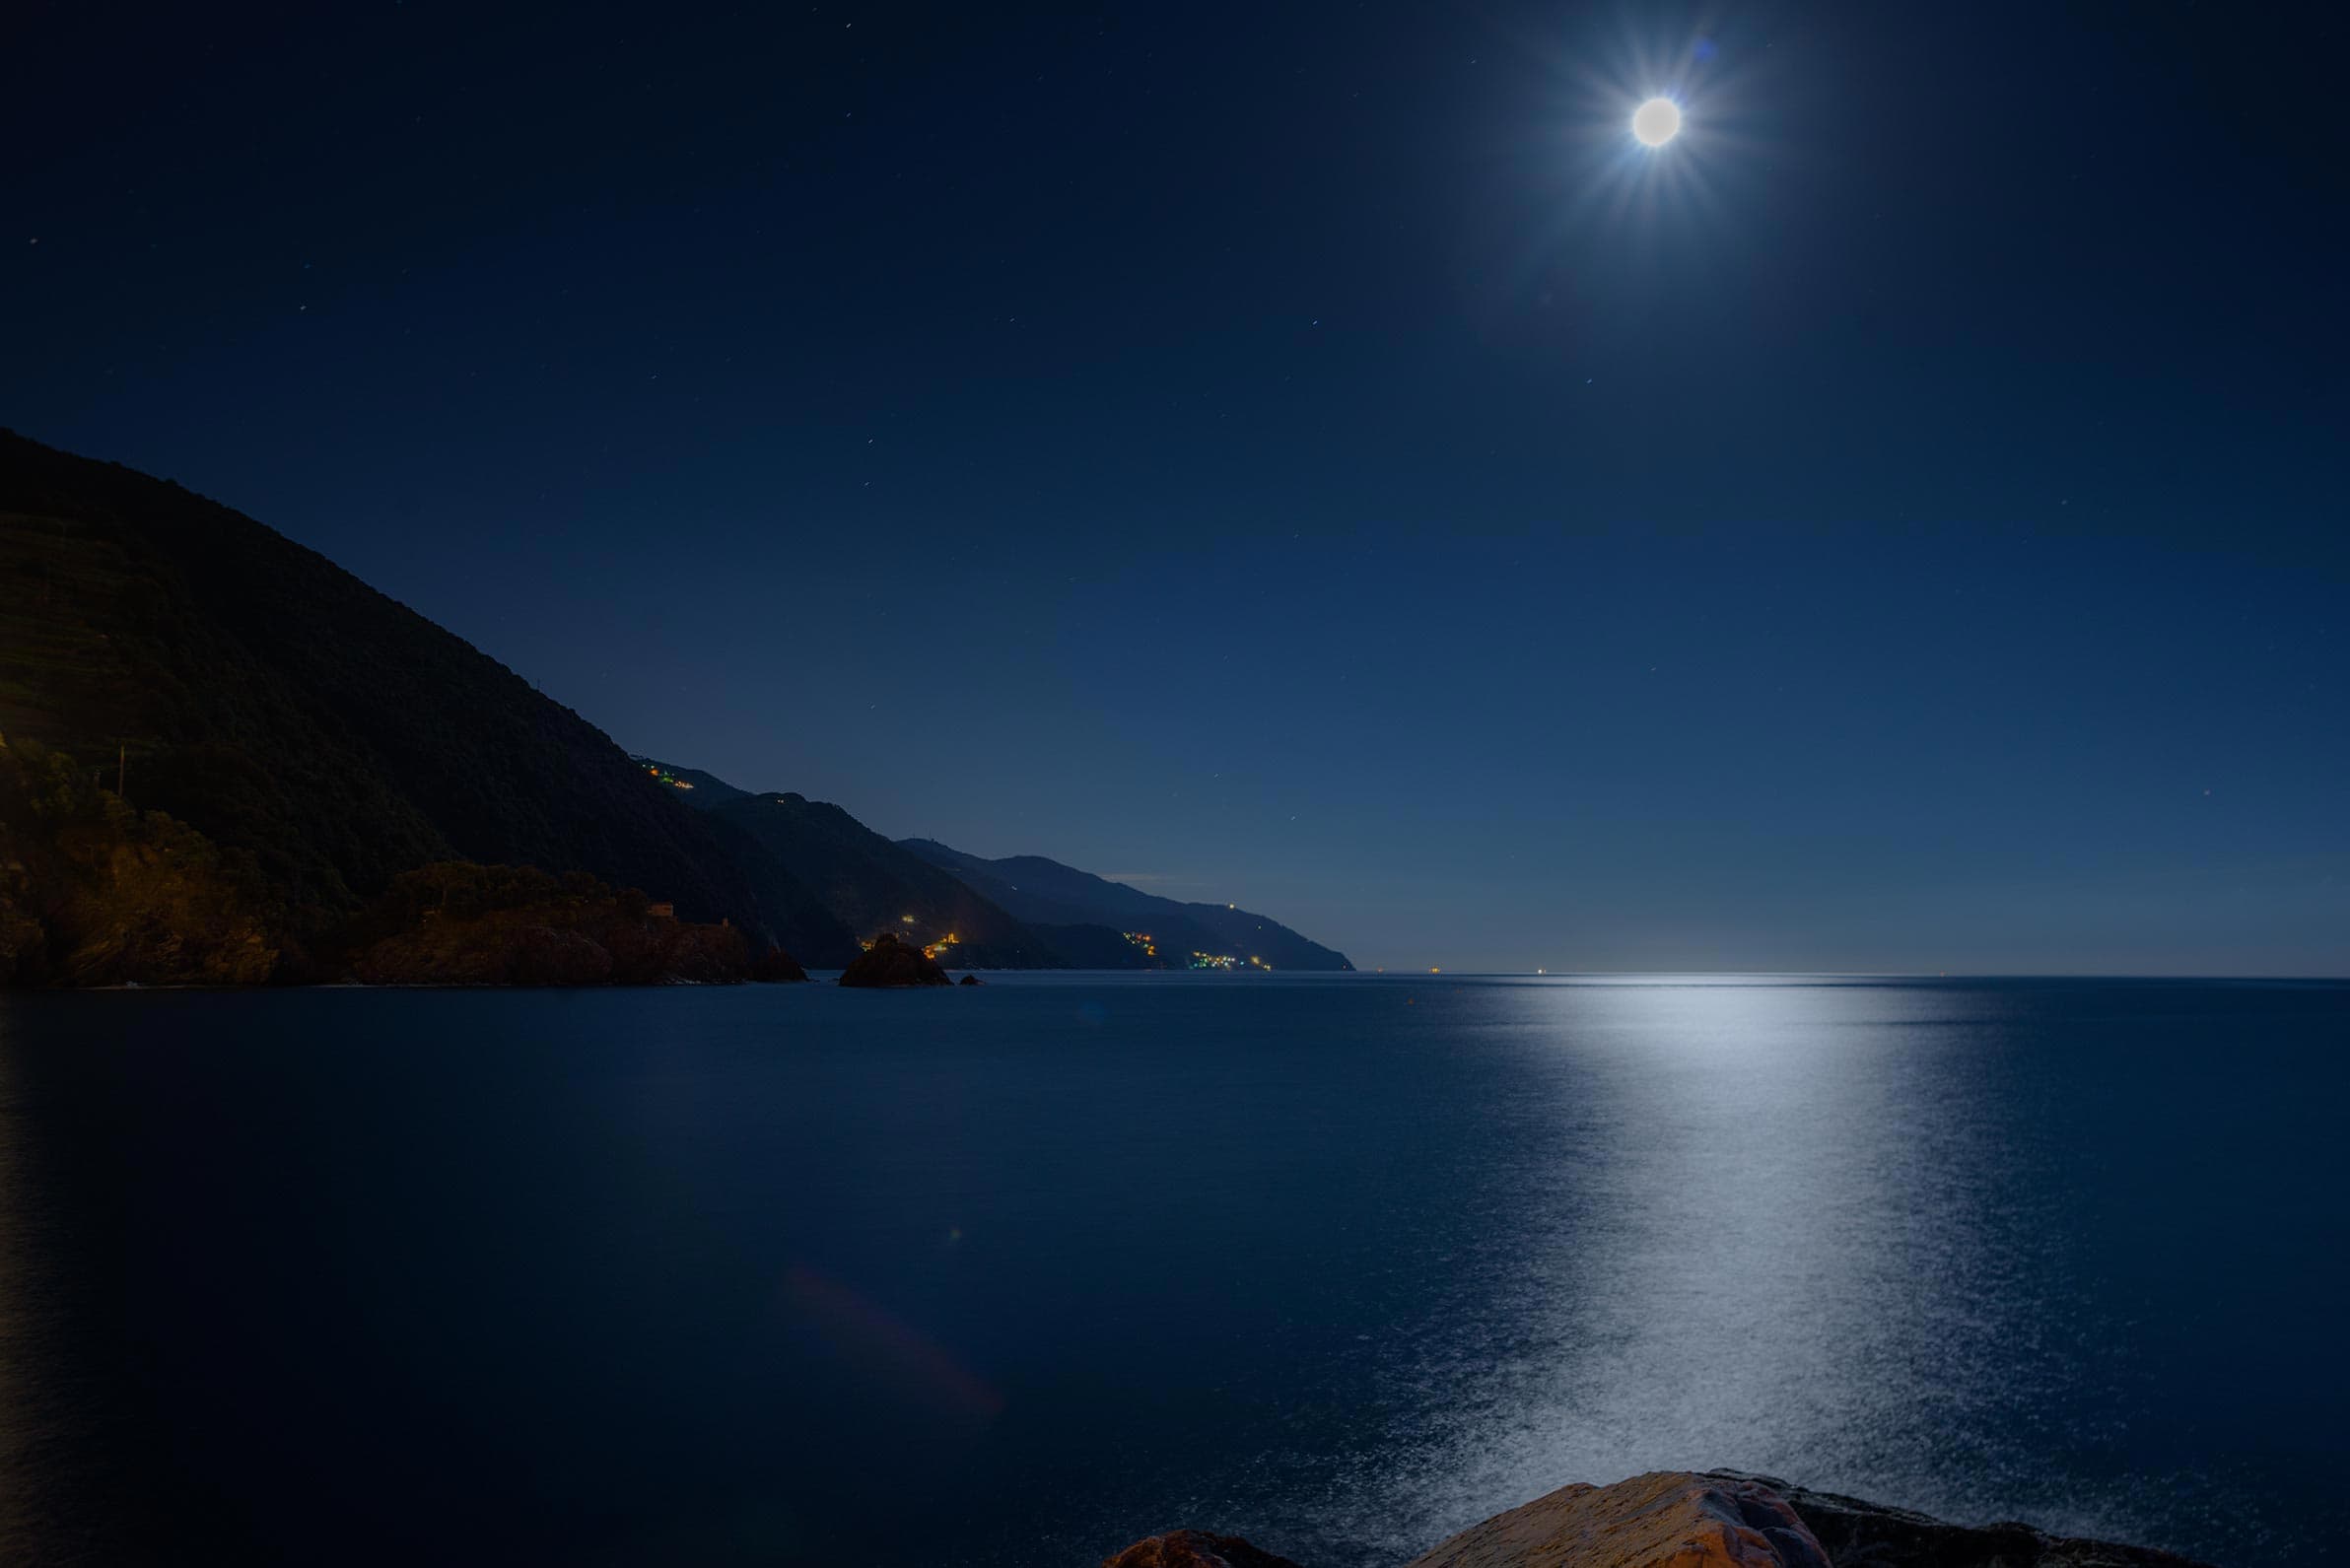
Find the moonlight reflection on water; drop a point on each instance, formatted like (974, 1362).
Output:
(1336, 1264)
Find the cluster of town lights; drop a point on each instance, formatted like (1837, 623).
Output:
(1149, 944)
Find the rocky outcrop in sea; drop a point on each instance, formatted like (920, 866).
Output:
(891, 962)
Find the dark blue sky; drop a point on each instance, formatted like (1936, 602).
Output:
(1308, 456)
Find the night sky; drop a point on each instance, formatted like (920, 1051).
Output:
(1310, 456)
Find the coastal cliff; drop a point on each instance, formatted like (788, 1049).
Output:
(456, 924)
(1099, 923)
(1721, 1518)
(219, 750)
(304, 736)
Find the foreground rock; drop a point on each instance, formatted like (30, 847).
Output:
(1855, 1533)
(1195, 1548)
(1681, 1520)
(891, 962)
(1677, 1518)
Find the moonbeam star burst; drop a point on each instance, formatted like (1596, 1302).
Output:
(1656, 122)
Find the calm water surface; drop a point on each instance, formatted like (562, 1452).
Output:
(792, 1274)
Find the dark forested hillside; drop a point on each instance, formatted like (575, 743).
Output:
(865, 879)
(460, 924)
(216, 748)
(305, 723)
(1050, 895)
(96, 893)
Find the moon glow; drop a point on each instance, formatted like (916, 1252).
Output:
(1656, 122)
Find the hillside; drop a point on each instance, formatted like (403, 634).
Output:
(461, 925)
(699, 790)
(95, 893)
(1047, 894)
(867, 881)
(324, 737)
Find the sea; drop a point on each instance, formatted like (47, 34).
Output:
(1018, 1273)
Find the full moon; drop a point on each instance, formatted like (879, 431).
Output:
(1656, 122)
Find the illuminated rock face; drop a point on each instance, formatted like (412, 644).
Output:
(1687, 1520)
(1677, 1520)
